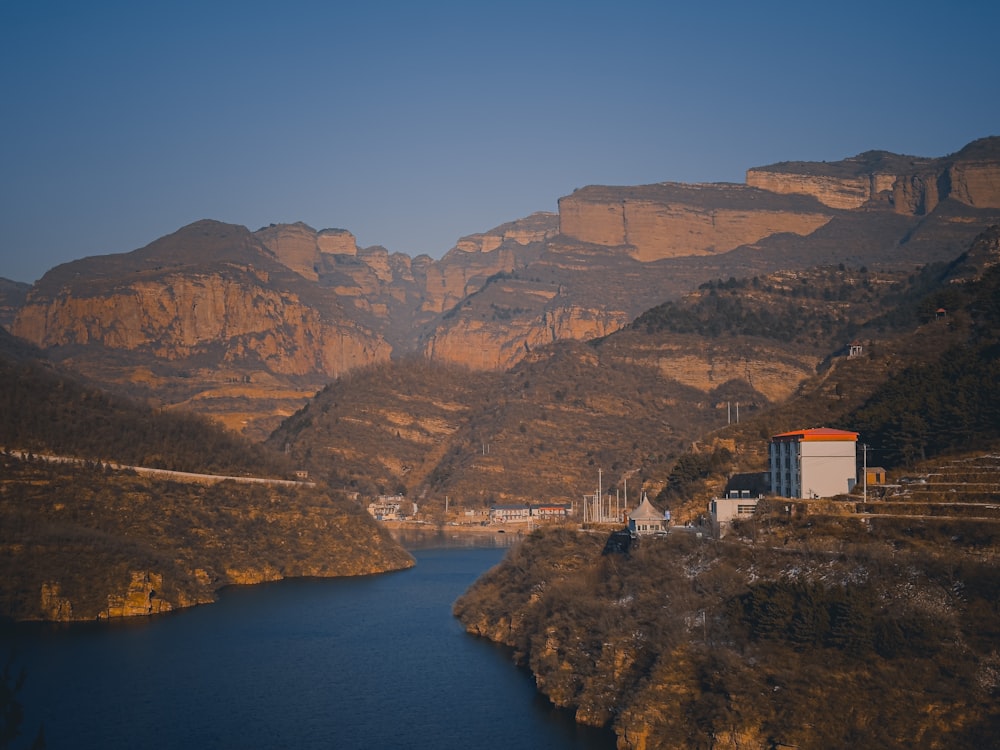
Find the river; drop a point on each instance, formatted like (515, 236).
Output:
(369, 662)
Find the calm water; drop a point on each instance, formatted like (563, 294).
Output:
(374, 662)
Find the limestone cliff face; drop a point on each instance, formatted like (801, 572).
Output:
(182, 315)
(140, 598)
(836, 192)
(671, 220)
(210, 318)
(914, 185)
(301, 248)
(466, 267)
(538, 227)
(483, 345)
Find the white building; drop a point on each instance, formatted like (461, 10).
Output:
(819, 462)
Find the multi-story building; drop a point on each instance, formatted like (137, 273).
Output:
(819, 462)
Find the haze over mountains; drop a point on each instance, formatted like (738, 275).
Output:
(247, 325)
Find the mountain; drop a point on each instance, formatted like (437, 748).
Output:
(245, 326)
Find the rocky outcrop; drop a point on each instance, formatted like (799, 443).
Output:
(482, 345)
(537, 227)
(140, 599)
(53, 605)
(184, 315)
(670, 220)
(913, 185)
(288, 301)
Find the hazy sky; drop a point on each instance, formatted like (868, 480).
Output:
(414, 123)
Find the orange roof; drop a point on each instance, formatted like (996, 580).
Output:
(817, 433)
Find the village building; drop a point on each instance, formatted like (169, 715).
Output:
(813, 463)
(646, 519)
(386, 508)
(524, 513)
(518, 513)
(551, 511)
(874, 476)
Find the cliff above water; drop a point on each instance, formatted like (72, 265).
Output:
(84, 543)
(823, 632)
(81, 537)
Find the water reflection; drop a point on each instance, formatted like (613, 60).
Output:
(417, 536)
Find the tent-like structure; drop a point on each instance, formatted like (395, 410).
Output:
(646, 519)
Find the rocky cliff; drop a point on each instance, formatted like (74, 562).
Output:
(247, 324)
(207, 314)
(668, 220)
(913, 185)
(813, 634)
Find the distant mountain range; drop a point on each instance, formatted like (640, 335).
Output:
(246, 325)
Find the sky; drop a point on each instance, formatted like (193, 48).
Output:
(412, 124)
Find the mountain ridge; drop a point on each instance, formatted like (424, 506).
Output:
(283, 310)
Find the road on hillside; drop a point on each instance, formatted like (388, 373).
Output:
(180, 476)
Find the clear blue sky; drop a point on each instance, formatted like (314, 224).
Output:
(412, 124)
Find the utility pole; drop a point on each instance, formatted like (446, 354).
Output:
(864, 470)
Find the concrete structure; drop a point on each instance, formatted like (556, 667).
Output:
(819, 462)
(724, 510)
(646, 519)
(521, 513)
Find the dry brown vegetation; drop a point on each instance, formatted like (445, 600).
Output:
(824, 635)
(86, 529)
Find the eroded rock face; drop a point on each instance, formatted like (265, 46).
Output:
(481, 345)
(914, 185)
(181, 315)
(768, 370)
(140, 598)
(670, 220)
(292, 302)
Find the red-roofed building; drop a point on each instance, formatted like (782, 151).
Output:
(820, 462)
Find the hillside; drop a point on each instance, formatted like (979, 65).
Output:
(631, 404)
(865, 621)
(841, 638)
(80, 540)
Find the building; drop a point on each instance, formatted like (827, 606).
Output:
(551, 511)
(874, 476)
(724, 510)
(521, 513)
(646, 519)
(386, 508)
(819, 462)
